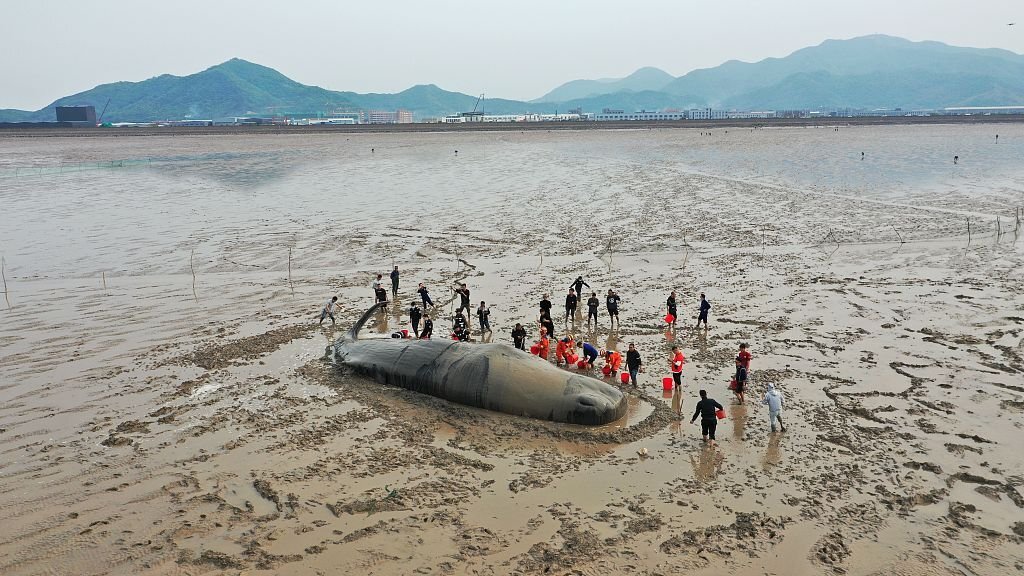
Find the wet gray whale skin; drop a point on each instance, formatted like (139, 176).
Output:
(491, 376)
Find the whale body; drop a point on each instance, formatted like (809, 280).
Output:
(491, 376)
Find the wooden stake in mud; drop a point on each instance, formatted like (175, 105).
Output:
(289, 264)
(968, 231)
(103, 274)
(193, 268)
(898, 235)
(3, 274)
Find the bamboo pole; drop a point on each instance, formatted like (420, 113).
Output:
(900, 236)
(968, 231)
(193, 268)
(3, 274)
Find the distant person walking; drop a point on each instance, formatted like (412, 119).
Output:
(571, 301)
(633, 363)
(519, 336)
(428, 328)
(483, 313)
(612, 303)
(670, 305)
(328, 310)
(425, 296)
(592, 305)
(394, 282)
(702, 315)
(707, 411)
(773, 398)
(578, 285)
(414, 318)
(676, 365)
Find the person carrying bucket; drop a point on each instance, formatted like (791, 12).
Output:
(708, 411)
(589, 353)
(742, 367)
(676, 365)
(543, 345)
(563, 350)
(633, 363)
(613, 361)
(670, 304)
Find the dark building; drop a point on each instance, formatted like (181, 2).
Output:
(77, 115)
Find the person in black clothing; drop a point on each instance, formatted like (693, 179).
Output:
(463, 293)
(705, 306)
(425, 295)
(578, 285)
(671, 305)
(612, 302)
(414, 318)
(519, 336)
(546, 322)
(706, 409)
(545, 306)
(484, 314)
(592, 305)
(633, 363)
(428, 328)
(571, 300)
(394, 282)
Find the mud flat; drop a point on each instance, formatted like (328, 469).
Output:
(165, 407)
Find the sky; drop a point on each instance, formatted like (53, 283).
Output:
(519, 50)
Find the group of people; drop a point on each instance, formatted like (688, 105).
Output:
(585, 354)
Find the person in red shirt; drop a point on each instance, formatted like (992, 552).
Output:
(742, 368)
(543, 345)
(676, 364)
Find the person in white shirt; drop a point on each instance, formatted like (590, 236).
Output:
(773, 398)
(329, 310)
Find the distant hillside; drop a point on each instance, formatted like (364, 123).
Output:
(863, 73)
(241, 88)
(644, 79)
(866, 72)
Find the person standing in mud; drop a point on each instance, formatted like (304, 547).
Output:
(545, 306)
(578, 285)
(459, 327)
(773, 399)
(742, 367)
(670, 304)
(463, 293)
(702, 315)
(425, 296)
(633, 363)
(676, 365)
(706, 410)
(612, 303)
(519, 336)
(483, 314)
(379, 293)
(571, 300)
(428, 328)
(414, 318)
(328, 310)
(547, 323)
(394, 282)
(592, 305)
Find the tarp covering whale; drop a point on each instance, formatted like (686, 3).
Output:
(491, 376)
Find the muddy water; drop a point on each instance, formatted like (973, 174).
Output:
(164, 407)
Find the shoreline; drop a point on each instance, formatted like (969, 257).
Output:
(61, 132)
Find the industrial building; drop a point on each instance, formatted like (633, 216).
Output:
(77, 115)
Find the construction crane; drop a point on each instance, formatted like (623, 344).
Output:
(99, 121)
(478, 111)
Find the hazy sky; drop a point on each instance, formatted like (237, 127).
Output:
(518, 49)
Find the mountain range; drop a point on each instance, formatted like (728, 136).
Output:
(862, 73)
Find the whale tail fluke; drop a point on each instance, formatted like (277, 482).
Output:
(353, 333)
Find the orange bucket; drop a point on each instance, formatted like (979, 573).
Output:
(624, 377)
(581, 364)
(666, 383)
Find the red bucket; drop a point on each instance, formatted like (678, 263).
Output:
(572, 359)
(720, 414)
(669, 318)
(606, 370)
(405, 333)
(581, 364)
(666, 383)
(534, 349)
(624, 377)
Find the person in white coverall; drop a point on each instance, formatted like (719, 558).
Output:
(773, 398)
